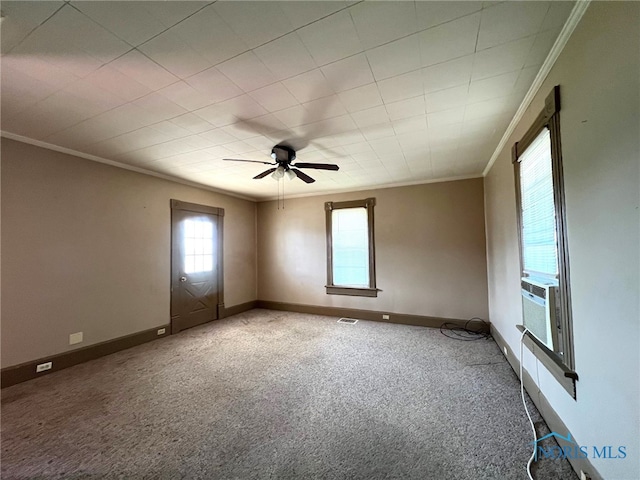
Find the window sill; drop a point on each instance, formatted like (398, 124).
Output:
(563, 374)
(351, 291)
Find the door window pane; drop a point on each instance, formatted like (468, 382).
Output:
(198, 245)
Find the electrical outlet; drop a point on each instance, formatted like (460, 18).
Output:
(75, 338)
(584, 476)
(385, 317)
(506, 352)
(161, 331)
(44, 366)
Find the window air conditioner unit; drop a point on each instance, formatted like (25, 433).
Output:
(540, 311)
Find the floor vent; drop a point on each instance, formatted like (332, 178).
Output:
(350, 321)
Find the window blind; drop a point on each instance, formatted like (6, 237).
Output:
(350, 241)
(539, 249)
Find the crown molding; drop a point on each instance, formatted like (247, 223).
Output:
(570, 25)
(372, 187)
(143, 171)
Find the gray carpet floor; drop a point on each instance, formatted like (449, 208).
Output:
(279, 395)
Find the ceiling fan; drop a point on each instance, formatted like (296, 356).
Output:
(283, 155)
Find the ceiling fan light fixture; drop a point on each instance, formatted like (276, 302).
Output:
(279, 173)
(290, 174)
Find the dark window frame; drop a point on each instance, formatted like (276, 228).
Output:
(371, 291)
(561, 367)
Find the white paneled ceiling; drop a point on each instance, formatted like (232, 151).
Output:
(392, 92)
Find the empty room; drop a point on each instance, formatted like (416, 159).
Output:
(320, 240)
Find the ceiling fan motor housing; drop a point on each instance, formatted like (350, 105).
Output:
(283, 154)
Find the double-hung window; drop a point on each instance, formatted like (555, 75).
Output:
(350, 248)
(544, 256)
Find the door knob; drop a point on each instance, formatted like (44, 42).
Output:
(183, 279)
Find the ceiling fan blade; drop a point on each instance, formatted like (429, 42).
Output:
(326, 150)
(303, 176)
(297, 143)
(280, 134)
(248, 161)
(317, 166)
(265, 173)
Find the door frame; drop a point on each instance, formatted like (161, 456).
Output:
(175, 265)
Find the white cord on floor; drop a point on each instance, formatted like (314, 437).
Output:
(533, 428)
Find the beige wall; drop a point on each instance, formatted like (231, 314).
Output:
(598, 73)
(430, 251)
(86, 247)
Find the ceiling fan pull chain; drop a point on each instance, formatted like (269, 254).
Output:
(280, 180)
